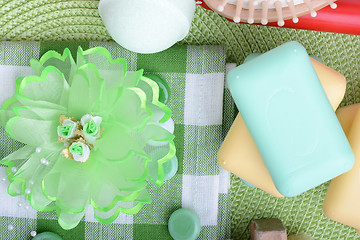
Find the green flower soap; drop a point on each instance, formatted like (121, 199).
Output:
(290, 119)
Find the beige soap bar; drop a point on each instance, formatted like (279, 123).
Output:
(268, 229)
(342, 201)
(239, 154)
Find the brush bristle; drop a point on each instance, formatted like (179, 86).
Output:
(258, 10)
(333, 5)
(236, 19)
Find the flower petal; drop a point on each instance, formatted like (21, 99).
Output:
(109, 98)
(134, 168)
(32, 132)
(96, 86)
(69, 184)
(6, 111)
(38, 113)
(155, 133)
(73, 193)
(159, 155)
(130, 109)
(79, 98)
(116, 174)
(15, 188)
(132, 79)
(38, 200)
(68, 220)
(51, 86)
(28, 102)
(85, 92)
(64, 61)
(111, 70)
(28, 177)
(129, 208)
(111, 216)
(151, 89)
(116, 143)
(106, 196)
(22, 153)
(85, 119)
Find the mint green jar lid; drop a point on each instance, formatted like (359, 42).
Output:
(164, 89)
(47, 236)
(184, 224)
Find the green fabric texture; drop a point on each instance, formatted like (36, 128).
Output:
(110, 178)
(49, 20)
(190, 187)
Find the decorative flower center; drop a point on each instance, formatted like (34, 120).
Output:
(79, 136)
(91, 128)
(80, 151)
(77, 148)
(65, 131)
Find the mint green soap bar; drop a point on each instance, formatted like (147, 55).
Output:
(290, 119)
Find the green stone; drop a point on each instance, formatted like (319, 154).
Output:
(47, 236)
(184, 224)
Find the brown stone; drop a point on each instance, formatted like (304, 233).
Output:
(268, 229)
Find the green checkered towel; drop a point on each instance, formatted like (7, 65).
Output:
(195, 75)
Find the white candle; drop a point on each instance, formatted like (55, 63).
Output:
(147, 26)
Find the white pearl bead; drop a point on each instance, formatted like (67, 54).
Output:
(38, 149)
(10, 227)
(13, 169)
(19, 204)
(27, 191)
(43, 161)
(33, 233)
(31, 182)
(3, 179)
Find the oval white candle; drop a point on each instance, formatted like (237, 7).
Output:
(147, 26)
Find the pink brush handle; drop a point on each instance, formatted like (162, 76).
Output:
(344, 19)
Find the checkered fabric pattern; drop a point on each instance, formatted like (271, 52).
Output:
(74, 20)
(195, 75)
